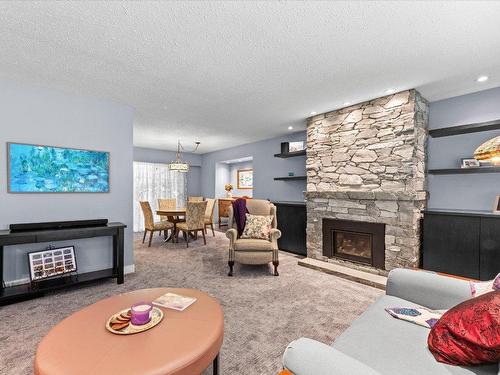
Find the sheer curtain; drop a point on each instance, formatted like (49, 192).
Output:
(153, 181)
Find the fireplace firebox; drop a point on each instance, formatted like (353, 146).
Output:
(354, 241)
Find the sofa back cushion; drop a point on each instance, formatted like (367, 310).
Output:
(427, 288)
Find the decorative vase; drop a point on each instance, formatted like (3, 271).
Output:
(229, 194)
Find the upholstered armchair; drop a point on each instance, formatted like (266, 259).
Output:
(249, 250)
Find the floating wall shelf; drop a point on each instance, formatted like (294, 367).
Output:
(464, 129)
(465, 170)
(290, 154)
(286, 178)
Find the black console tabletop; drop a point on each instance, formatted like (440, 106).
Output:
(26, 291)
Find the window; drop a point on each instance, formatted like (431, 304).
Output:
(153, 181)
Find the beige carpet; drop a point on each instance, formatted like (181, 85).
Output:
(262, 312)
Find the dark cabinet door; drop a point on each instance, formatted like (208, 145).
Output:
(451, 244)
(490, 248)
(292, 223)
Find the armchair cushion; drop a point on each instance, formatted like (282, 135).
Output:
(257, 226)
(250, 244)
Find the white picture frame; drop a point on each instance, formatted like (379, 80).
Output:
(295, 146)
(470, 163)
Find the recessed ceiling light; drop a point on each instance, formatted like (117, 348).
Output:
(313, 113)
(347, 103)
(482, 78)
(290, 128)
(390, 91)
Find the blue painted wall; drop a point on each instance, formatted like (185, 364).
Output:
(50, 117)
(474, 191)
(265, 167)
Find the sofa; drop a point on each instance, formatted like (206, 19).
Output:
(249, 250)
(379, 344)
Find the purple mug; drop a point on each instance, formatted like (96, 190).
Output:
(141, 313)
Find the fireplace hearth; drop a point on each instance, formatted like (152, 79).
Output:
(355, 241)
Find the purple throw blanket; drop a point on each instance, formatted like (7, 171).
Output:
(239, 211)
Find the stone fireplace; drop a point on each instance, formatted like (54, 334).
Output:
(366, 182)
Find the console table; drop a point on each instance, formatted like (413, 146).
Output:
(27, 291)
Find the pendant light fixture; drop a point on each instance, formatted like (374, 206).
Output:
(179, 165)
(489, 151)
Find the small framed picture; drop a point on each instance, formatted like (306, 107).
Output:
(245, 178)
(496, 207)
(470, 163)
(295, 146)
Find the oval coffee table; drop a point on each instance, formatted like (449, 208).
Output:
(184, 343)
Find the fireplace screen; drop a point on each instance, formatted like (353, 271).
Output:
(353, 244)
(356, 241)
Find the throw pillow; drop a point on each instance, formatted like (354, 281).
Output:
(478, 288)
(257, 227)
(419, 315)
(469, 333)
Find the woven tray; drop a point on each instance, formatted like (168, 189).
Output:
(156, 318)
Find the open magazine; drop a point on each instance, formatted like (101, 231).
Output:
(174, 301)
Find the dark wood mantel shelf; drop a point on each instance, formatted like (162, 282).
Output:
(290, 154)
(464, 129)
(465, 170)
(289, 178)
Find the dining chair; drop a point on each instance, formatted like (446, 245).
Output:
(195, 199)
(167, 204)
(209, 215)
(195, 221)
(150, 225)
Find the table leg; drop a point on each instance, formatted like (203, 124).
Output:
(215, 365)
(118, 256)
(2, 285)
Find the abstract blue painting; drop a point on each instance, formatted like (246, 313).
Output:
(47, 169)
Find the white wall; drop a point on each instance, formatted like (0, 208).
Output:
(222, 177)
(49, 117)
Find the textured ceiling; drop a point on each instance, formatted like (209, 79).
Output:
(228, 73)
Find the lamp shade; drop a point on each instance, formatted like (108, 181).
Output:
(489, 151)
(179, 166)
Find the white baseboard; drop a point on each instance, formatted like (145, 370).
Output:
(127, 269)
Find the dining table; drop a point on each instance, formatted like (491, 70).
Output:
(175, 215)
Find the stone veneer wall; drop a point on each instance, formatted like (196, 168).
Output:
(367, 162)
